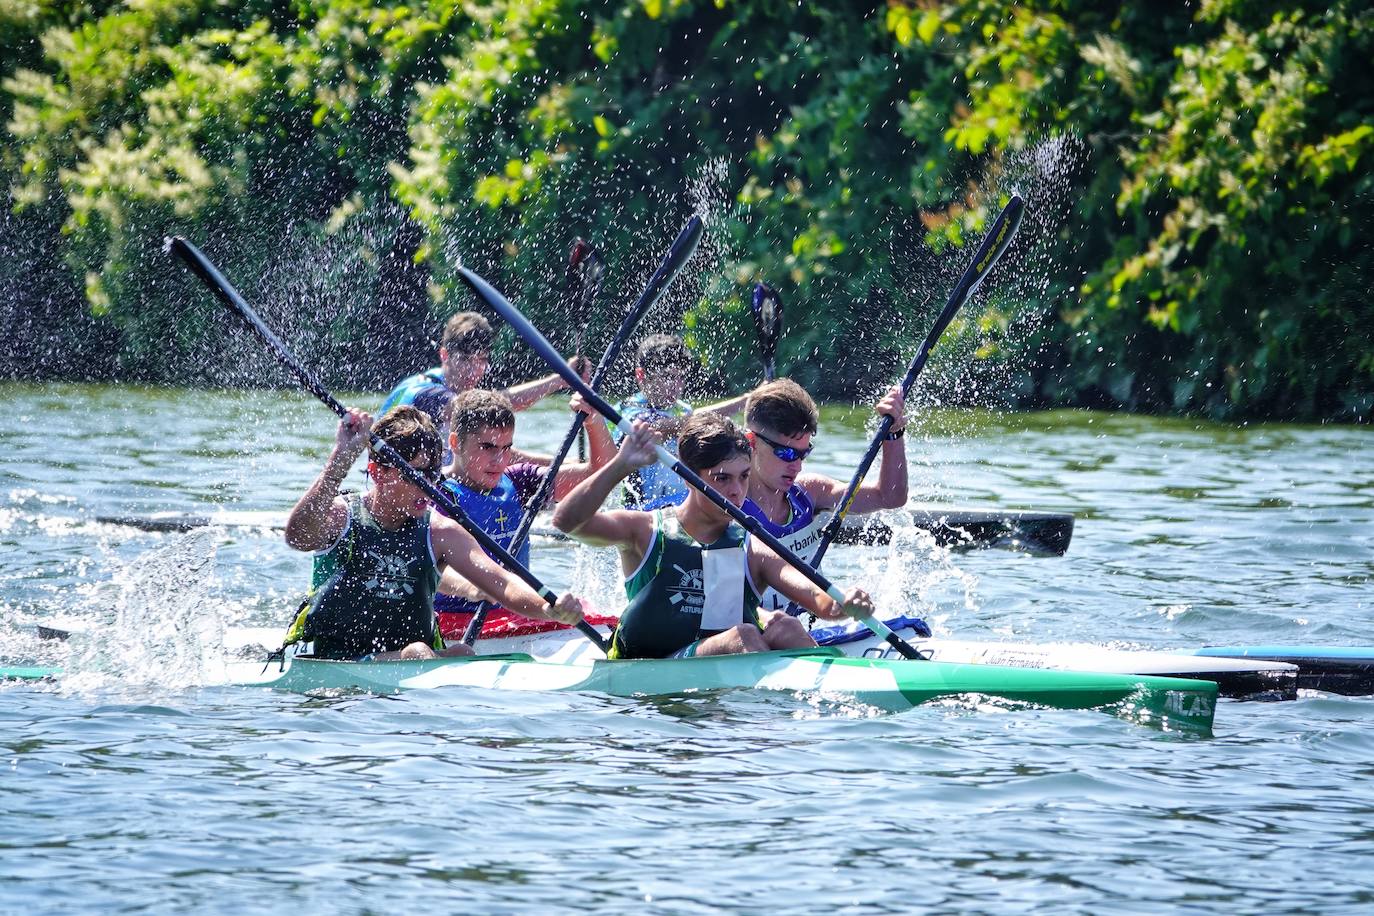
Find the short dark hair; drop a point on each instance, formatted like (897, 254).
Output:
(662, 351)
(707, 439)
(410, 432)
(477, 409)
(782, 406)
(468, 332)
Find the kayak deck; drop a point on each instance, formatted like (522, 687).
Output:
(1236, 678)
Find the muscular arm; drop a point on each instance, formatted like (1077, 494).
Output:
(772, 570)
(527, 394)
(465, 559)
(889, 491)
(601, 450)
(319, 517)
(451, 583)
(578, 513)
(726, 408)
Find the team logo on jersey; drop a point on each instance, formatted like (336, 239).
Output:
(689, 594)
(391, 578)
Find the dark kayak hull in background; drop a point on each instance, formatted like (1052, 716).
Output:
(953, 527)
(1347, 670)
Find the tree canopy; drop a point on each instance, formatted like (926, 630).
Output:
(1200, 178)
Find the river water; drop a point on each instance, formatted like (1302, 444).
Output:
(145, 792)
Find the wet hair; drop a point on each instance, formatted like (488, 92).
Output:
(661, 351)
(410, 432)
(707, 439)
(477, 409)
(468, 332)
(782, 406)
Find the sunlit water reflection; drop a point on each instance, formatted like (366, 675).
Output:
(131, 784)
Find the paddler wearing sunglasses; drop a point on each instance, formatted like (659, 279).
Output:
(782, 419)
(379, 554)
(692, 575)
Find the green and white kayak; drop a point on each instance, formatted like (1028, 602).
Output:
(1172, 704)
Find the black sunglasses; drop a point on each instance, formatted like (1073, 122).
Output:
(434, 473)
(785, 452)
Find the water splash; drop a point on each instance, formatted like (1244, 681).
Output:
(161, 628)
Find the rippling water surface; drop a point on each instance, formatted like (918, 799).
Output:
(129, 786)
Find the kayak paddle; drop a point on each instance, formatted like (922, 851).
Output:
(678, 255)
(582, 284)
(201, 266)
(541, 345)
(994, 244)
(767, 309)
(672, 263)
(586, 270)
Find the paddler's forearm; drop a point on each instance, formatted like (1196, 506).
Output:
(602, 451)
(305, 524)
(601, 448)
(797, 587)
(889, 491)
(453, 584)
(492, 582)
(587, 498)
(892, 478)
(727, 408)
(532, 392)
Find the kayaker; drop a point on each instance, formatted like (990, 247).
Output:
(493, 488)
(693, 576)
(464, 357)
(782, 419)
(379, 553)
(663, 365)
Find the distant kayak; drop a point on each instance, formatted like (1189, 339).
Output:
(1347, 670)
(953, 527)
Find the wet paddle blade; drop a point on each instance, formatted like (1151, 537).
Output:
(767, 308)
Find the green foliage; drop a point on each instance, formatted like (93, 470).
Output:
(1214, 257)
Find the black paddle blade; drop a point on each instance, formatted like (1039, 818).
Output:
(994, 244)
(767, 309)
(586, 270)
(209, 274)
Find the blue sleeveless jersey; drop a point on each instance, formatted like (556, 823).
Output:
(800, 533)
(408, 389)
(499, 514)
(654, 486)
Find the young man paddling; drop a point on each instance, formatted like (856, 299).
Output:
(692, 575)
(464, 357)
(494, 489)
(662, 366)
(379, 553)
(782, 419)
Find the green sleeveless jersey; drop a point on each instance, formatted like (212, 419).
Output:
(373, 591)
(685, 591)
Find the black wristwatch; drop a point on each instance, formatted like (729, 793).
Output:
(894, 435)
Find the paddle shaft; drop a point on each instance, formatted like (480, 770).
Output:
(994, 244)
(541, 345)
(207, 271)
(677, 256)
(583, 284)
